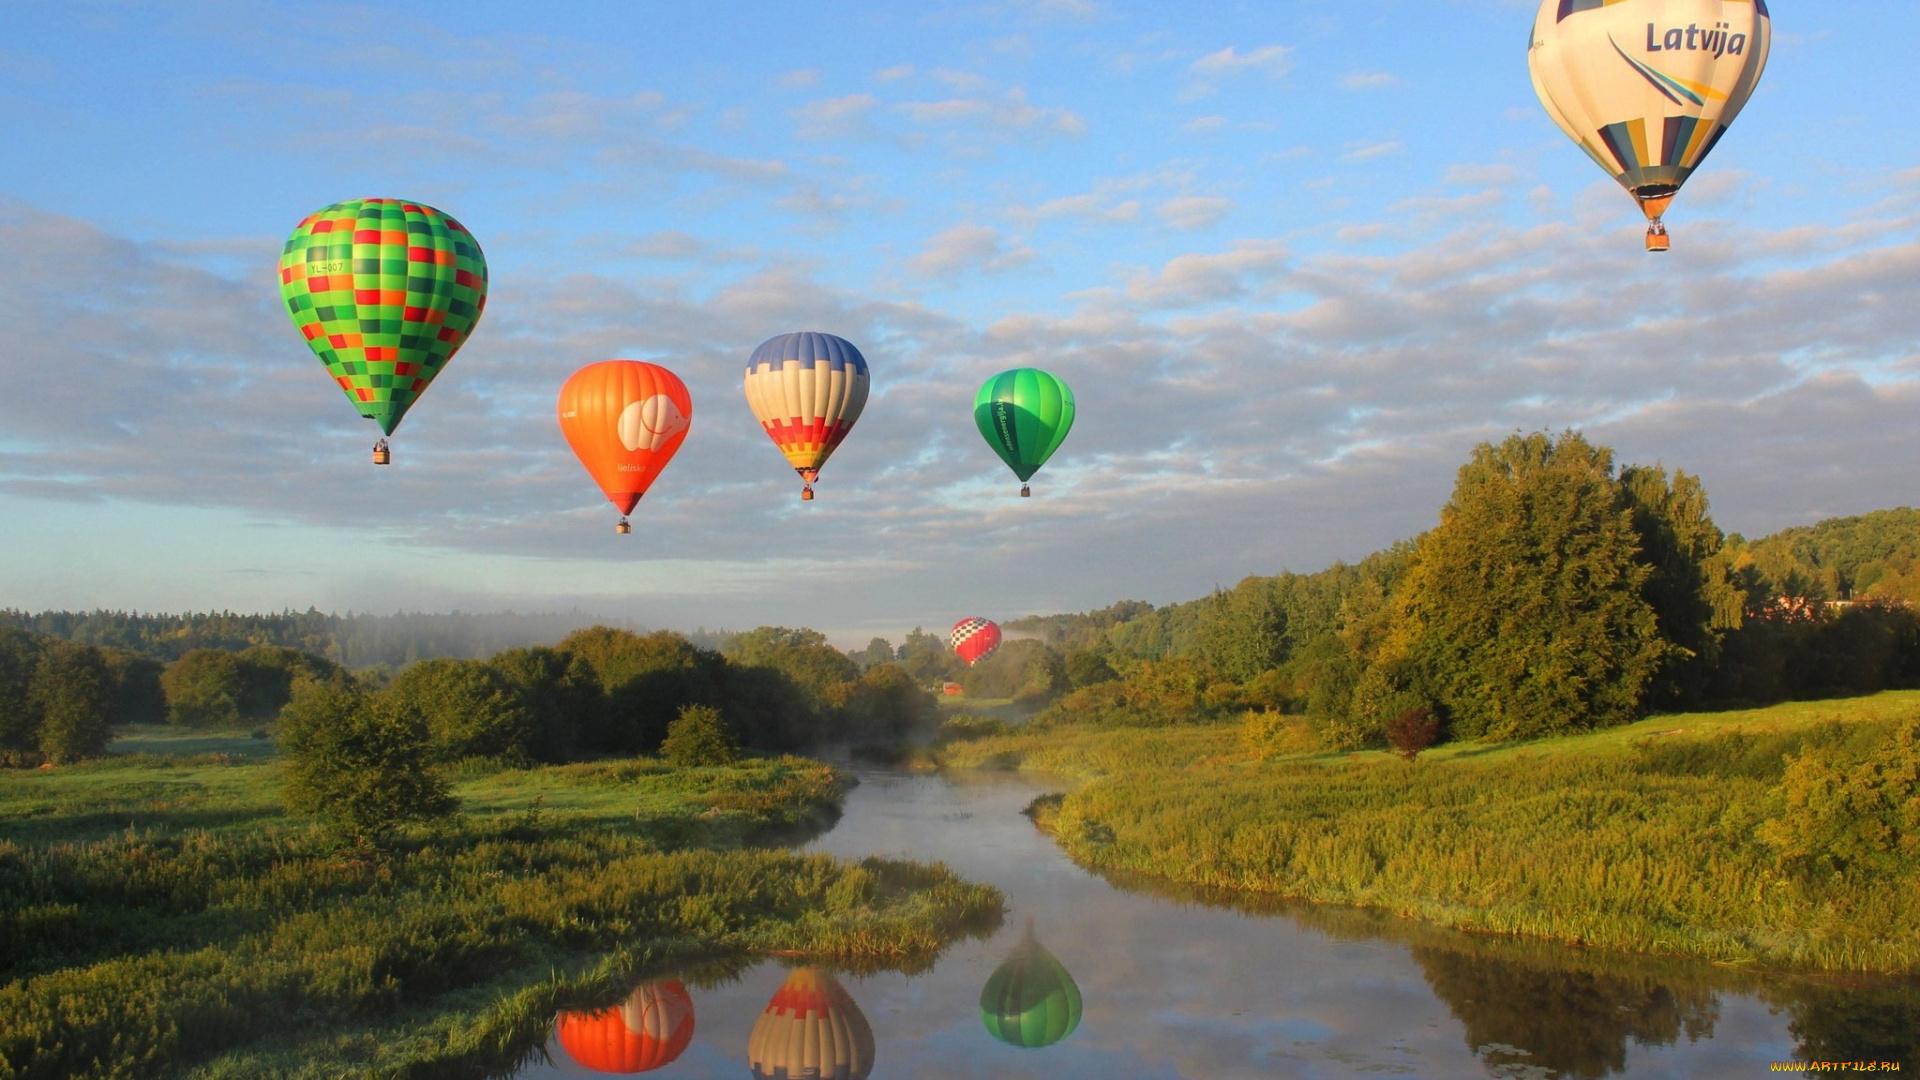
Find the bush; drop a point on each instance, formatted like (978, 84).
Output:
(72, 692)
(1412, 731)
(698, 736)
(204, 689)
(360, 766)
(467, 709)
(1849, 813)
(1266, 733)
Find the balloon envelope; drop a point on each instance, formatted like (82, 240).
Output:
(807, 390)
(1030, 1000)
(811, 1029)
(385, 292)
(625, 419)
(975, 639)
(1025, 415)
(1647, 87)
(650, 1029)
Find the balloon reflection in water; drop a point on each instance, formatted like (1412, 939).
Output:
(650, 1029)
(811, 1029)
(1030, 1001)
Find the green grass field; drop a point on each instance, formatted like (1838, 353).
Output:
(1644, 838)
(161, 915)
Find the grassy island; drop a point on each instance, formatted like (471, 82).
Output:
(163, 916)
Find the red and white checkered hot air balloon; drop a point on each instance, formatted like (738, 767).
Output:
(975, 639)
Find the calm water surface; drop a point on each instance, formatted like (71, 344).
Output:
(1188, 986)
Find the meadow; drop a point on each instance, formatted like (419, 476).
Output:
(163, 916)
(1663, 836)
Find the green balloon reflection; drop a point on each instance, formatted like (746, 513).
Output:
(1030, 1001)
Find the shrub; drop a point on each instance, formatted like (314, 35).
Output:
(72, 692)
(468, 709)
(360, 766)
(1267, 732)
(204, 689)
(1412, 731)
(1851, 813)
(698, 736)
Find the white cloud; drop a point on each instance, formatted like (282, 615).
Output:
(1194, 211)
(1205, 123)
(1488, 175)
(836, 117)
(1369, 80)
(967, 248)
(1270, 60)
(894, 73)
(1367, 151)
(799, 79)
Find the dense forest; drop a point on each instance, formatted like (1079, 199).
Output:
(1558, 593)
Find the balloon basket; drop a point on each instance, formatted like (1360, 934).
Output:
(382, 456)
(1026, 492)
(623, 528)
(806, 494)
(1657, 239)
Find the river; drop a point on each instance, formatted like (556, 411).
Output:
(1174, 985)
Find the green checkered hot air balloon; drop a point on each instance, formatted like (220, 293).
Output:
(1025, 415)
(385, 292)
(1030, 1001)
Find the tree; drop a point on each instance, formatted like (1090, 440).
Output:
(698, 736)
(467, 709)
(878, 651)
(1690, 583)
(72, 693)
(268, 674)
(1086, 667)
(135, 679)
(204, 688)
(645, 679)
(1523, 611)
(928, 659)
(887, 703)
(803, 655)
(361, 767)
(559, 692)
(1244, 632)
(19, 713)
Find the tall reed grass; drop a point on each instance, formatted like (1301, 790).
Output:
(1644, 838)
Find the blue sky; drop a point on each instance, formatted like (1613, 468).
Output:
(1295, 259)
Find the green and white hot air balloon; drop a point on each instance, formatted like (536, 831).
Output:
(1024, 414)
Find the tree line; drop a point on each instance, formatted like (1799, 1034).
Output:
(352, 640)
(1558, 593)
(601, 691)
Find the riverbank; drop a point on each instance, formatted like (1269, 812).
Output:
(162, 915)
(1649, 838)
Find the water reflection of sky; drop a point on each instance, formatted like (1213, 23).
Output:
(1179, 989)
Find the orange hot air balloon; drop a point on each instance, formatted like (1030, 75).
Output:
(647, 1031)
(624, 420)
